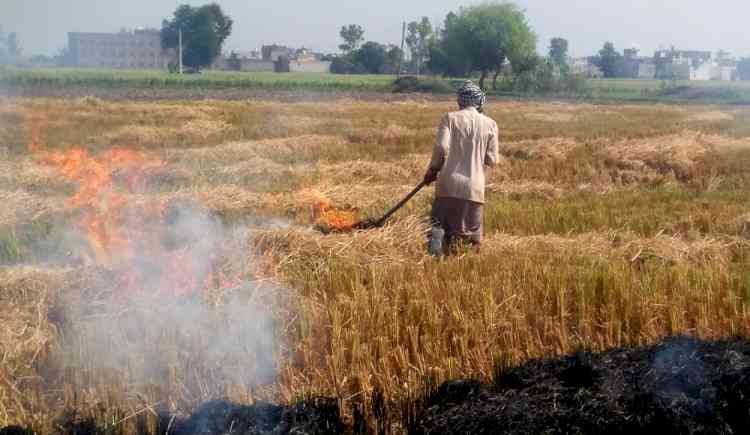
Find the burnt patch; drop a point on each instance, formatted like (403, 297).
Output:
(319, 416)
(680, 386)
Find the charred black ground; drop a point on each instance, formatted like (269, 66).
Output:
(680, 386)
(220, 417)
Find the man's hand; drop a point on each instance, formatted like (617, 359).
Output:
(430, 176)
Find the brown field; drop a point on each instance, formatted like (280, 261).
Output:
(606, 226)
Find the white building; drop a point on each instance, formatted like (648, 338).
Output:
(702, 72)
(691, 65)
(724, 73)
(140, 49)
(585, 67)
(310, 66)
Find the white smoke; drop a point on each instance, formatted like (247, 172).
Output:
(188, 347)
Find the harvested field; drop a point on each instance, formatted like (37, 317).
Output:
(159, 262)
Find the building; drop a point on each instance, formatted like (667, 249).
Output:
(683, 64)
(244, 62)
(724, 73)
(275, 52)
(139, 49)
(8, 47)
(584, 66)
(646, 70)
(309, 66)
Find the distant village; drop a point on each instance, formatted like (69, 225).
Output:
(664, 64)
(141, 49)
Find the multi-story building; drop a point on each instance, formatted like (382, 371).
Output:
(683, 64)
(139, 49)
(693, 65)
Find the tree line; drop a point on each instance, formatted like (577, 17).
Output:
(489, 40)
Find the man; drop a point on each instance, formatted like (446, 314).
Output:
(467, 141)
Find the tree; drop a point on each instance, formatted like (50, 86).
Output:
(418, 39)
(204, 30)
(723, 58)
(393, 60)
(483, 38)
(233, 62)
(558, 52)
(608, 60)
(372, 56)
(743, 69)
(353, 35)
(446, 55)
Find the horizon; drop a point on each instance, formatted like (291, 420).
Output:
(586, 24)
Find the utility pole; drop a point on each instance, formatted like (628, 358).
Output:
(180, 50)
(403, 38)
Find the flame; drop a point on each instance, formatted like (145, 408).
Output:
(338, 219)
(325, 214)
(120, 230)
(101, 203)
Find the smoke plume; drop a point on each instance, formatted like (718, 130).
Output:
(169, 320)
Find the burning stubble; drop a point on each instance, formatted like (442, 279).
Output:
(166, 308)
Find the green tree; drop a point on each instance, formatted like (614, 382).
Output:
(446, 55)
(393, 60)
(558, 53)
(418, 40)
(608, 60)
(233, 62)
(483, 38)
(353, 35)
(372, 56)
(204, 30)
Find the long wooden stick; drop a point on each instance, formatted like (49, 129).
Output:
(398, 206)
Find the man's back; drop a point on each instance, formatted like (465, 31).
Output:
(466, 142)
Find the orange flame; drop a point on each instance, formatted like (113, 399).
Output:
(338, 219)
(120, 230)
(99, 200)
(325, 214)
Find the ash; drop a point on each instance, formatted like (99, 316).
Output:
(680, 386)
(320, 416)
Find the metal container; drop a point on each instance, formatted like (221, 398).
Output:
(437, 238)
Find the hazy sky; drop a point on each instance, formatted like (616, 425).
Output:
(42, 25)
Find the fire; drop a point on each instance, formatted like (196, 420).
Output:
(100, 201)
(123, 232)
(328, 216)
(337, 219)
